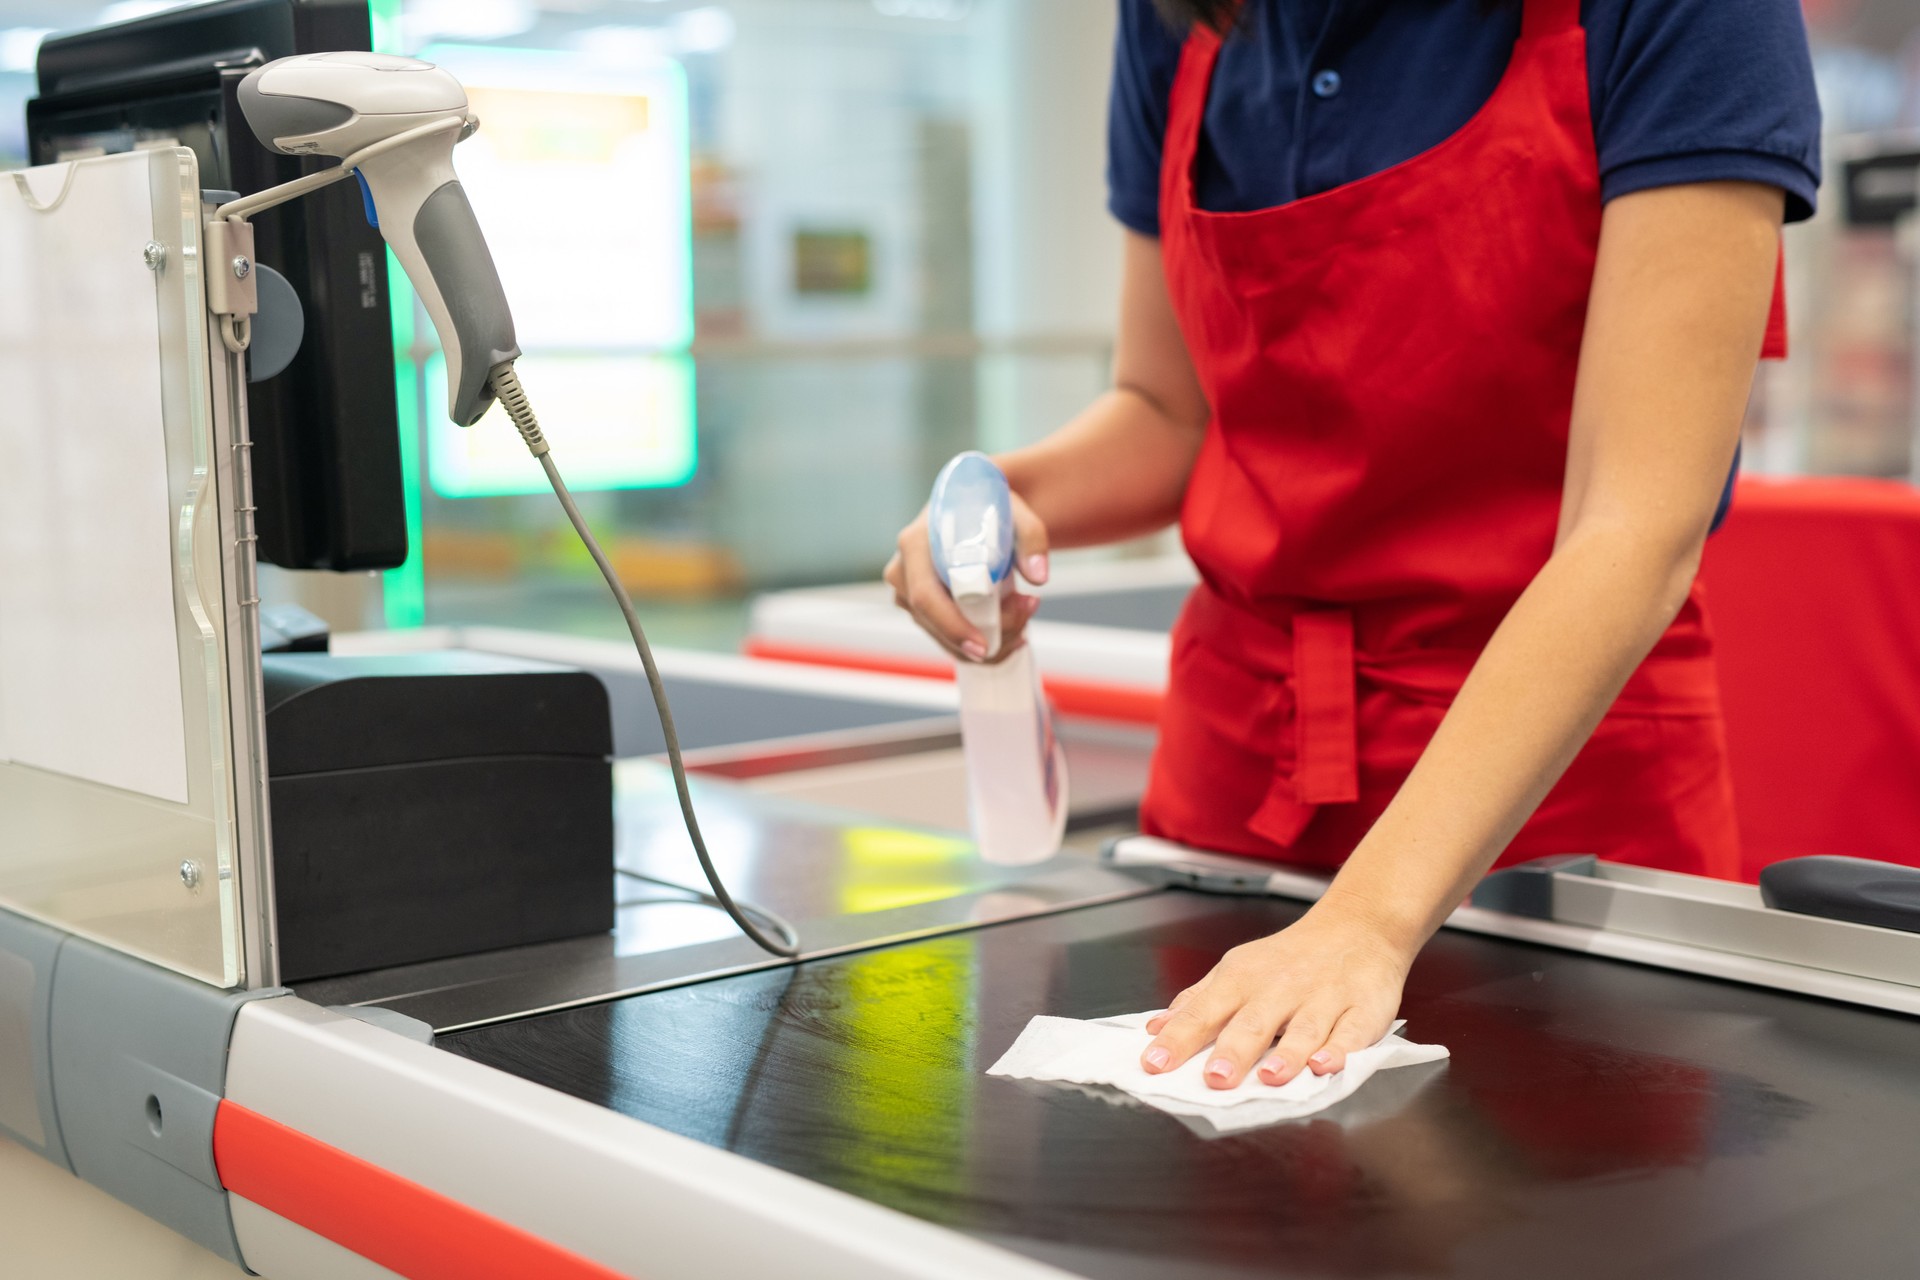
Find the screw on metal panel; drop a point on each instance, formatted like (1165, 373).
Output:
(155, 254)
(242, 268)
(190, 875)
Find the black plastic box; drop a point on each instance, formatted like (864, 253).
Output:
(435, 804)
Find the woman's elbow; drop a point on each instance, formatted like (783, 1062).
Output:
(1683, 571)
(1659, 564)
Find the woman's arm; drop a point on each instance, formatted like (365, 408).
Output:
(1679, 307)
(1118, 470)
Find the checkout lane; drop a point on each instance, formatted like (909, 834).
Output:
(1732, 1126)
(1597, 1119)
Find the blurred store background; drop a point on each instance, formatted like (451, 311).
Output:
(775, 260)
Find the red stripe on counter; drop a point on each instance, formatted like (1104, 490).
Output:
(401, 1225)
(1129, 704)
(850, 659)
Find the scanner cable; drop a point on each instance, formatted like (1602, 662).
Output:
(513, 398)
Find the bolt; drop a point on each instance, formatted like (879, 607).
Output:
(155, 254)
(242, 268)
(190, 875)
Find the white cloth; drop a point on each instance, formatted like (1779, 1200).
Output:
(1107, 1052)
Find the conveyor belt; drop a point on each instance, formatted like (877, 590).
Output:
(1597, 1119)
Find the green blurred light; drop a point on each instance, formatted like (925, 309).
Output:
(615, 422)
(385, 17)
(404, 590)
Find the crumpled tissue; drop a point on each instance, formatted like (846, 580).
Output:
(1107, 1052)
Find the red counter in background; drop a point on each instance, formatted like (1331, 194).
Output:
(1814, 591)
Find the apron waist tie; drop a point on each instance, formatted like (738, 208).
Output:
(1318, 646)
(1313, 651)
(1326, 752)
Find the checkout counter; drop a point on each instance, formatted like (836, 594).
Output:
(661, 1102)
(665, 1099)
(1648, 1077)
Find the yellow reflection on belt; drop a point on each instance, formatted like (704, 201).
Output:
(889, 867)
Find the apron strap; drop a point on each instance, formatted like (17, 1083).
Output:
(1186, 107)
(1549, 18)
(1775, 346)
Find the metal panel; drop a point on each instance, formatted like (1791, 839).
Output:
(1662, 918)
(563, 975)
(1749, 929)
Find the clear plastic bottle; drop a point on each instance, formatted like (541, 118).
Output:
(1016, 770)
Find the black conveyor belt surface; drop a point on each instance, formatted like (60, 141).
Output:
(1597, 1119)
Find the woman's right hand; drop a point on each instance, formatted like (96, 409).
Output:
(917, 587)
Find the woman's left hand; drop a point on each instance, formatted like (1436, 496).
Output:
(1327, 985)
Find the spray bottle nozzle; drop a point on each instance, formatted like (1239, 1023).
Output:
(970, 524)
(970, 582)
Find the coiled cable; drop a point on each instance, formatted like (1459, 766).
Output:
(513, 398)
(700, 897)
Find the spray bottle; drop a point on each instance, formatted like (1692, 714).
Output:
(1016, 770)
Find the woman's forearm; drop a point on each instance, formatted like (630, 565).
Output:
(1535, 696)
(1680, 300)
(1119, 470)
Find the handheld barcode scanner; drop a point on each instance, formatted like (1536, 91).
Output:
(340, 104)
(395, 122)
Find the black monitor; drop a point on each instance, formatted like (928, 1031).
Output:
(326, 457)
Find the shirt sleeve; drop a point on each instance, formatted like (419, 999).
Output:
(1146, 57)
(1706, 91)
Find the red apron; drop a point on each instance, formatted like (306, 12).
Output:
(1391, 369)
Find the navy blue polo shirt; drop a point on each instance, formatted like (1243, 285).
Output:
(1312, 94)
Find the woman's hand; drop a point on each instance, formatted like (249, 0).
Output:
(917, 587)
(1119, 470)
(1330, 982)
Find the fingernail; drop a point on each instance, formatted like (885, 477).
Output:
(1274, 1066)
(975, 650)
(1036, 568)
(1158, 1058)
(1219, 1069)
(1321, 1058)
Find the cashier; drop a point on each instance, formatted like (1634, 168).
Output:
(1438, 322)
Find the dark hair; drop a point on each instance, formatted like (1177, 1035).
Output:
(1223, 15)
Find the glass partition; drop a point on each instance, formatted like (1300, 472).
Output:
(119, 815)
